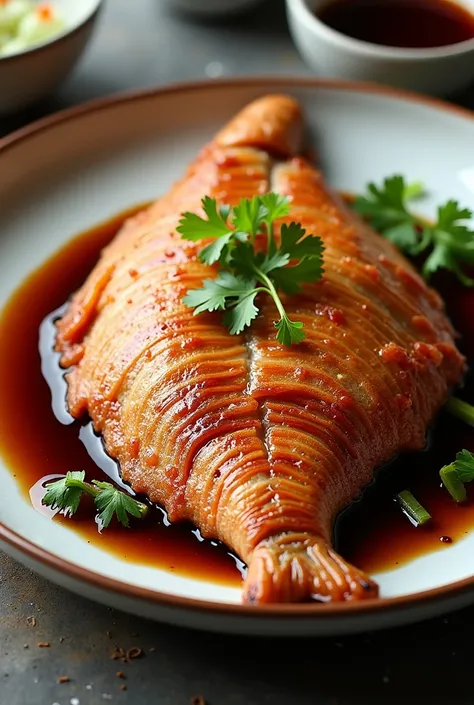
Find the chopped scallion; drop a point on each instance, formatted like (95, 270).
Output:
(411, 507)
(461, 410)
(450, 479)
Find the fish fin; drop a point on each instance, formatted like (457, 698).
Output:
(295, 568)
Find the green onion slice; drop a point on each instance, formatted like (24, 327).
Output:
(411, 507)
(450, 479)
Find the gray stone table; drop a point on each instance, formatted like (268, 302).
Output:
(139, 44)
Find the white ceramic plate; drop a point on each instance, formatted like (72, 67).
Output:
(69, 172)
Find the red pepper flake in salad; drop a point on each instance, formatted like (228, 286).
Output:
(45, 12)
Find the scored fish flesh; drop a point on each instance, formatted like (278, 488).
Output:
(259, 445)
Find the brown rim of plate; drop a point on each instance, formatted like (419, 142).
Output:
(54, 41)
(76, 572)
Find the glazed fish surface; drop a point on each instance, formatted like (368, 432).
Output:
(259, 445)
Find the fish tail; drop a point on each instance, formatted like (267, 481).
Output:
(295, 568)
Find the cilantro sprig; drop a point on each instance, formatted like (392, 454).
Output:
(66, 494)
(245, 270)
(447, 244)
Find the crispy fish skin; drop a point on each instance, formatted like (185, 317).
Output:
(258, 444)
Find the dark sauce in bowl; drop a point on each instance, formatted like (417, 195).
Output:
(400, 23)
(37, 442)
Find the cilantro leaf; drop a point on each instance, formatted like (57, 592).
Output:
(111, 501)
(294, 242)
(413, 191)
(242, 313)
(210, 297)
(404, 236)
(276, 206)
(289, 332)
(308, 249)
(213, 253)
(244, 259)
(225, 210)
(289, 279)
(277, 260)
(248, 215)
(439, 258)
(245, 271)
(446, 244)
(59, 495)
(450, 213)
(464, 465)
(451, 243)
(214, 293)
(65, 494)
(385, 206)
(193, 227)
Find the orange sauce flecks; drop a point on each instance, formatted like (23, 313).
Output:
(373, 534)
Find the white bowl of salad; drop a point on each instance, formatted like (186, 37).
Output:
(40, 43)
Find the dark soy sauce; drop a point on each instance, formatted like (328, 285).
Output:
(400, 23)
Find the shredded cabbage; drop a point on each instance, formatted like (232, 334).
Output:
(25, 24)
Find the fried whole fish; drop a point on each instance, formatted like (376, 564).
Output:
(257, 444)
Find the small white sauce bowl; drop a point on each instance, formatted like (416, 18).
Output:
(437, 71)
(36, 72)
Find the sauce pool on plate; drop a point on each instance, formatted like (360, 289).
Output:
(400, 23)
(36, 445)
(39, 439)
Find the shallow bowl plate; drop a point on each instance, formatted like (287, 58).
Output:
(69, 172)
